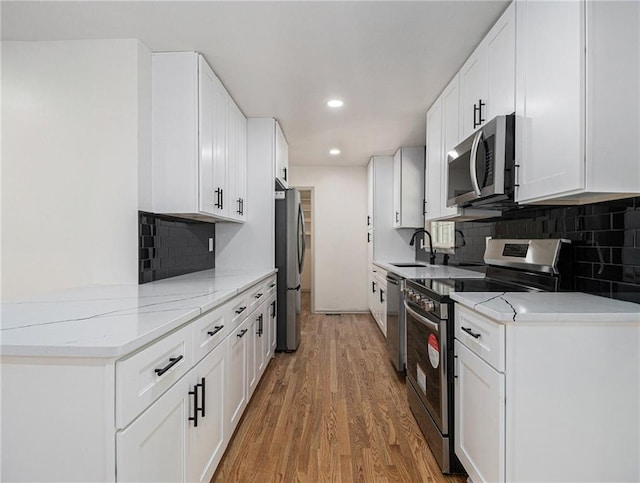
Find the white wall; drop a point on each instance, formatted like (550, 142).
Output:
(75, 121)
(339, 235)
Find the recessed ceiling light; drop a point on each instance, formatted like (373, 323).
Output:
(334, 151)
(335, 103)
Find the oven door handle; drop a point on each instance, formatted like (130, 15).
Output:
(422, 319)
(473, 161)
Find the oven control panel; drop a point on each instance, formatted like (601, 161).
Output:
(420, 300)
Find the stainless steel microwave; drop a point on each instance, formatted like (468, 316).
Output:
(481, 168)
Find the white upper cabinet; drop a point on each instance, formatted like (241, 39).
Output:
(487, 77)
(443, 134)
(408, 187)
(370, 182)
(282, 157)
(433, 186)
(237, 155)
(198, 141)
(578, 101)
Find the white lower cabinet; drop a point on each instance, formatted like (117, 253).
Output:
(236, 384)
(207, 440)
(154, 446)
(479, 416)
(547, 400)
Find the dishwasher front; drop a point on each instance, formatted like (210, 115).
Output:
(396, 322)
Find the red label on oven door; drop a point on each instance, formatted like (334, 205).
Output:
(434, 351)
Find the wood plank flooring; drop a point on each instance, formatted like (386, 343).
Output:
(332, 411)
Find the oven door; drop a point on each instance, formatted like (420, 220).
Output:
(427, 363)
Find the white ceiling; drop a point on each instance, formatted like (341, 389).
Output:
(387, 60)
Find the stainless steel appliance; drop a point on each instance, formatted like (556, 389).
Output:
(290, 246)
(481, 168)
(514, 266)
(395, 321)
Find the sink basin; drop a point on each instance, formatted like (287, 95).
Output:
(410, 265)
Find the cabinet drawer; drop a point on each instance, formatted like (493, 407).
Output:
(256, 295)
(146, 375)
(238, 310)
(209, 330)
(271, 285)
(481, 335)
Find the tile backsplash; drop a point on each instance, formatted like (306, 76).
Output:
(172, 246)
(605, 239)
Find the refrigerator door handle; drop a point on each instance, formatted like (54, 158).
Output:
(301, 241)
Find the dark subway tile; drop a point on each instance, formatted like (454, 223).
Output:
(627, 292)
(584, 270)
(596, 287)
(608, 272)
(630, 256)
(597, 222)
(632, 219)
(609, 238)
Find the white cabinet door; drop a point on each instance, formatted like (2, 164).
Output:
(450, 139)
(208, 196)
(153, 447)
(220, 154)
(487, 86)
(256, 355)
(370, 184)
(241, 169)
(397, 188)
(408, 187)
(236, 383)
(273, 324)
(501, 65)
(473, 91)
(208, 440)
(479, 416)
(282, 157)
(433, 169)
(233, 134)
(550, 91)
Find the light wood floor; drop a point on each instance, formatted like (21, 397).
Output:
(332, 411)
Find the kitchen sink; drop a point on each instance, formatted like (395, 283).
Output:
(410, 265)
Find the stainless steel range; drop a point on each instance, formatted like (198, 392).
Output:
(513, 266)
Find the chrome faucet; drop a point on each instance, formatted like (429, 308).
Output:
(432, 254)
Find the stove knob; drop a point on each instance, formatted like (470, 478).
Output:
(428, 305)
(416, 298)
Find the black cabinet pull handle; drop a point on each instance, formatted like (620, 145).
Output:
(273, 308)
(272, 285)
(194, 418)
(202, 385)
(172, 362)
(217, 329)
(260, 328)
(368, 220)
(368, 237)
(472, 334)
(480, 106)
(258, 295)
(381, 296)
(285, 173)
(373, 287)
(240, 310)
(221, 198)
(397, 217)
(239, 210)
(242, 332)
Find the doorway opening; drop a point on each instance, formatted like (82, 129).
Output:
(306, 282)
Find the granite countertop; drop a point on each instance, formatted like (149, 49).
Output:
(509, 307)
(114, 320)
(428, 271)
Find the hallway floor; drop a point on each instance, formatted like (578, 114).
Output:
(334, 410)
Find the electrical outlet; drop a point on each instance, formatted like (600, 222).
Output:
(486, 241)
(210, 244)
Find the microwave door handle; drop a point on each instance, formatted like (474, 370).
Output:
(473, 161)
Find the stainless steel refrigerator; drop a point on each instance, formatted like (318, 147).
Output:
(290, 246)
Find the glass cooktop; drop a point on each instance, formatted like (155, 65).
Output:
(442, 287)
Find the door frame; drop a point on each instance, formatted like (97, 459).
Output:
(312, 254)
